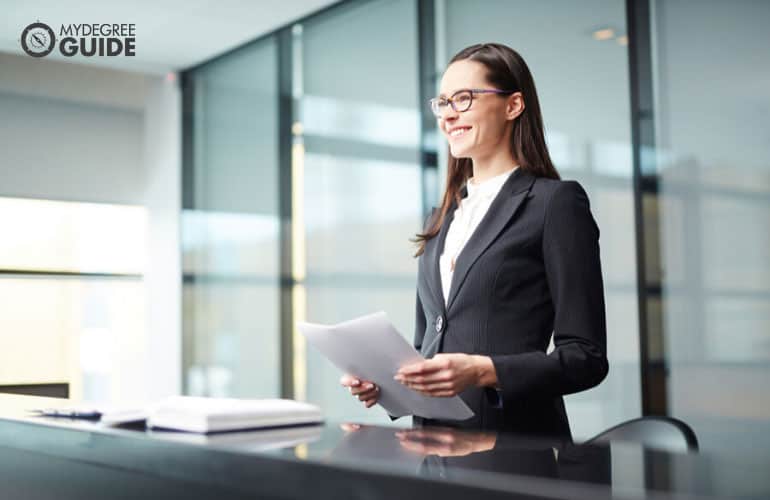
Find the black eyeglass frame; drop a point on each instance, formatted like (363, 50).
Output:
(452, 100)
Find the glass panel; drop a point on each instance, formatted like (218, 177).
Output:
(362, 197)
(85, 332)
(733, 219)
(232, 337)
(582, 83)
(342, 236)
(230, 228)
(231, 244)
(711, 115)
(73, 237)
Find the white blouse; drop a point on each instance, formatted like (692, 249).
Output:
(466, 219)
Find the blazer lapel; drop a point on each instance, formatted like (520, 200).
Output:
(500, 212)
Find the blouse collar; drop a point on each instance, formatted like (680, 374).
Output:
(490, 187)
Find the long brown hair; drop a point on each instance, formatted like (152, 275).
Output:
(505, 70)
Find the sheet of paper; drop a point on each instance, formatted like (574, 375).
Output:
(371, 348)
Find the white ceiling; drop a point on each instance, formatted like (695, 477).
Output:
(170, 34)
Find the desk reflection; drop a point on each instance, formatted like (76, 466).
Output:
(441, 452)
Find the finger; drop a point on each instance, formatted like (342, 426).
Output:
(367, 387)
(427, 366)
(430, 386)
(415, 447)
(445, 438)
(427, 449)
(433, 387)
(370, 402)
(434, 435)
(367, 395)
(426, 378)
(349, 381)
(439, 393)
(412, 434)
(409, 369)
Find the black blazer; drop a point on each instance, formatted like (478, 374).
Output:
(530, 269)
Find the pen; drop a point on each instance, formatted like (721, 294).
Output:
(86, 414)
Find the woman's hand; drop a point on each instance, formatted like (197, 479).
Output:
(364, 390)
(446, 375)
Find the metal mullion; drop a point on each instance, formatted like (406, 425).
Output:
(642, 136)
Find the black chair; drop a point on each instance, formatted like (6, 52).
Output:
(662, 433)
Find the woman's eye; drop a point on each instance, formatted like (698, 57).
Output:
(464, 98)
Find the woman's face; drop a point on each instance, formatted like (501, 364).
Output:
(482, 129)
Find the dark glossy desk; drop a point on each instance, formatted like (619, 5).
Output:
(54, 458)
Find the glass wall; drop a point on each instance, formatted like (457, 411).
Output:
(230, 226)
(358, 187)
(362, 201)
(73, 300)
(712, 108)
(580, 67)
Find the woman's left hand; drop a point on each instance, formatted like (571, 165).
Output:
(445, 375)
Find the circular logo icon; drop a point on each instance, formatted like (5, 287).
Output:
(38, 39)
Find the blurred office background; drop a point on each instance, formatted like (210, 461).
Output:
(166, 219)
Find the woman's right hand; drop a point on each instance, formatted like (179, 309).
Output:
(365, 391)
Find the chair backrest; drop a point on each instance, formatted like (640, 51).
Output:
(663, 433)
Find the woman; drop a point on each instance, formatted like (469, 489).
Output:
(510, 258)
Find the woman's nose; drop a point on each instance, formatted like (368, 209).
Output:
(449, 114)
(449, 117)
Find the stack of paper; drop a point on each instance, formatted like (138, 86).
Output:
(197, 414)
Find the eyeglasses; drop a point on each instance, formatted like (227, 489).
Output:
(461, 100)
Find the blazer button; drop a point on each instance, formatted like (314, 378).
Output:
(439, 323)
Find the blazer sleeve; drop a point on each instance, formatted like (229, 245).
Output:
(573, 271)
(419, 320)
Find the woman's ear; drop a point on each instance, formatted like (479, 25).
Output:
(515, 105)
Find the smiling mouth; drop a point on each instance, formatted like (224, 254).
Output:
(458, 132)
